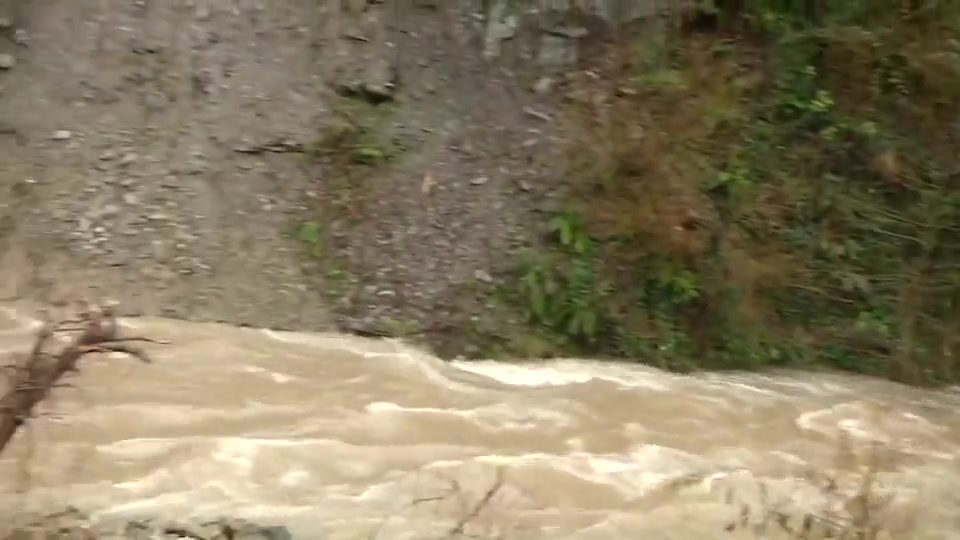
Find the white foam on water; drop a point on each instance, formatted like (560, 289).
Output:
(808, 421)
(138, 449)
(390, 353)
(354, 345)
(497, 416)
(296, 477)
(723, 382)
(279, 378)
(24, 323)
(159, 415)
(633, 474)
(129, 323)
(783, 382)
(906, 432)
(568, 371)
(240, 453)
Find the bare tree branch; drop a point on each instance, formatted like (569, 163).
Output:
(483, 502)
(31, 381)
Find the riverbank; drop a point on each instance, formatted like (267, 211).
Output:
(498, 186)
(741, 190)
(186, 173)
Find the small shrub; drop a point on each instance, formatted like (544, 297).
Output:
(560, 290)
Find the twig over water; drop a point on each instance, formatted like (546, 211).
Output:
(32, 378)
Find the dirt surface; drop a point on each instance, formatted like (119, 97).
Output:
(153, 152)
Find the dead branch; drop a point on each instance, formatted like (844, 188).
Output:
(32, 380)
(483, 502)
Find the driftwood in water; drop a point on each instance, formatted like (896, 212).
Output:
(31, 378)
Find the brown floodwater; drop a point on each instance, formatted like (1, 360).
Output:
(351, 438)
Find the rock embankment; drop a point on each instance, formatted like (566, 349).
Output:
(165, 153)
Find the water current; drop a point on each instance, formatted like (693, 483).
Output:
(337, 436)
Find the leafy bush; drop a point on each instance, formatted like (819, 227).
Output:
(778, 188)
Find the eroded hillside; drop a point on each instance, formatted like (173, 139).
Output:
(208, 160)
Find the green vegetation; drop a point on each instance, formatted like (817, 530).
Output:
(767, 186)
(349, 150)
(317, 245)
(353, 147)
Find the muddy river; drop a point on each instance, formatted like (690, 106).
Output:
(342, 437)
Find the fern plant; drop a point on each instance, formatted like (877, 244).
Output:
(562, 290)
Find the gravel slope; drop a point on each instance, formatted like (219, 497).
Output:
(150, 151)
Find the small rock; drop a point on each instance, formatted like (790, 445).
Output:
(377, 84)
(7, 61)
(500, 27)
(537, 114)
(62, 135)
(556, 52)
(479, 181)
(20, 37)
(483, 276)
(569, 32)
(356, 36)
(544, 85)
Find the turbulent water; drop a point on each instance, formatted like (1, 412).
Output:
(343, 437)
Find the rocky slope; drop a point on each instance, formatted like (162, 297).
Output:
(160, 153)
